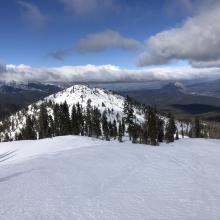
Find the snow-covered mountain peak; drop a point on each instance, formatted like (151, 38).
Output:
(100, 98)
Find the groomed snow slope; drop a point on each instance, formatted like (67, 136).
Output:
(81, 178)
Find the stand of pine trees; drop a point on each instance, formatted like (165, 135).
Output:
(55, 120)
(153, 131)
(199, 129)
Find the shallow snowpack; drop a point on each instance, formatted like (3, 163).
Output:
(77, 177)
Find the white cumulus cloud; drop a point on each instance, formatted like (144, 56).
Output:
(98, 42)
(108, 39)
(196, 40)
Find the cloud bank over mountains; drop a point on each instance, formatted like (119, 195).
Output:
(104, 73)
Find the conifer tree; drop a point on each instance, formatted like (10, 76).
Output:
(111, 131)
(29, 131)
(205, 131)
(57, 120)
(177, 135)
(115, 130)
(75, 121)
(128, 111)
(190, 133)
(43, 122)
(130, 116)
(197, 128)
(19, 136)
(65, 119)
(134, 133)
(120, 132)
(144, 130)
(7, 138)
(160, 130)
(152, 126)
(182, 132)
(80, 117)
(88, 118)
(126, 106)
(51, 129)
(96, 123)
(123, 126)
(117, 117)
(170, 129)
(105, 127)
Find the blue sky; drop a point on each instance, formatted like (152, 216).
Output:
(33, 30)
(109, 40)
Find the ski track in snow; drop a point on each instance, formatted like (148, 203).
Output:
(82, 178)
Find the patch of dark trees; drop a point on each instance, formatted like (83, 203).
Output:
(106, 125)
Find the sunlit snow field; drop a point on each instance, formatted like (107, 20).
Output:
(76, 177)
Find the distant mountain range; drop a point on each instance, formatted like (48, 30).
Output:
(211, 88)
(14, 87)
(14, 96)
(184, 97)
(170, 94)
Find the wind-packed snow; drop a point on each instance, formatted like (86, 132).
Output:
(77, 177)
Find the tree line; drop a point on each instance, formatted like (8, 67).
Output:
(90, 121)
(153, 130)
(51, 119)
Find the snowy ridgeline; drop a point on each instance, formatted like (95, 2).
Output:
(102, 99)
(76, 177)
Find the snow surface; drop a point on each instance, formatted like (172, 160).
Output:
(77, 177)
